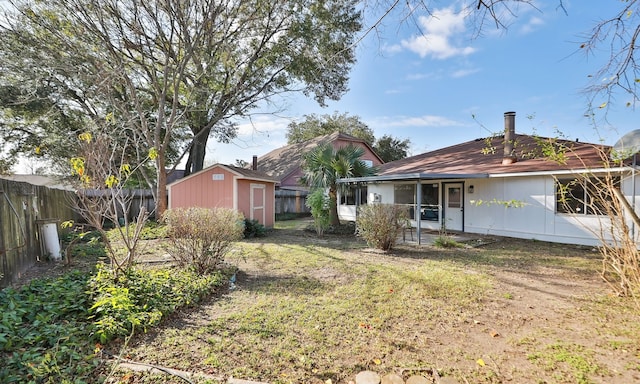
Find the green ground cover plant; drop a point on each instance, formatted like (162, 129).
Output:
(44, 332)
(141, 298)
(54, 330)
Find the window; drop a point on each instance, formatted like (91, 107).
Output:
(430, 199)
(588, 196)
(405, 194)
(348, 197)
(368, 163)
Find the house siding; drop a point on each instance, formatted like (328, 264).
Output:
(536, 218)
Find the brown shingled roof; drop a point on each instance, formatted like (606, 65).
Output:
(244, 172)
(250, 174)
(282, 161)
(484, 156)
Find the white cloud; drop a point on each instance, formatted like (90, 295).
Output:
(257, 136)
(263, 124)
(532, 24)
(418, 76)
(417, 121)
(464, 72)
(395, 48)
(440, 39)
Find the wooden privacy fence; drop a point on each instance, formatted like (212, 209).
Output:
(290, 201)
(23, 209)
(135, 200)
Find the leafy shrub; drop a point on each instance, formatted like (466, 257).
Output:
(140, 299)
(252, 228)
(93, 248)
(446, 241)
(380, 224)
(44, 332)
(78, 235)
(200, 237)
(319, 203)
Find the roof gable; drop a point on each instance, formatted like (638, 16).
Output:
(283, 161)
(241, 173)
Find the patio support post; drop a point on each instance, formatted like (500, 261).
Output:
(418, 210)
(357, 198)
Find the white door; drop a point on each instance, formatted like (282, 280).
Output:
(258, 198)
(453, 207)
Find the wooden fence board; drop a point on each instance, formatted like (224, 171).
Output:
(21, 205)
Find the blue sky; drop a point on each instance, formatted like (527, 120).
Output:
(428, 88)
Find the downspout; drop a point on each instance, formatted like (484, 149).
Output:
(358, 200)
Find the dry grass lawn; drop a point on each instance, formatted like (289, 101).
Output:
(320, 310)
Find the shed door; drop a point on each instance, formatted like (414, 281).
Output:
(258, 197)
(453, 206)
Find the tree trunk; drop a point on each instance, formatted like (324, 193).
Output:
(161, 192)
(197, 151)
(333, 210)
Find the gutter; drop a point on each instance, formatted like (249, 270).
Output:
(413, 176)
(562, 172)
(451, 176)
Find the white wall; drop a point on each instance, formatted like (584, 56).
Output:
(537, 218)
(531, 216)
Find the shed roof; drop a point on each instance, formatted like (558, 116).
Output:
(241, 173)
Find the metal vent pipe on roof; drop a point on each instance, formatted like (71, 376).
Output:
(509, 138)
(254, 166)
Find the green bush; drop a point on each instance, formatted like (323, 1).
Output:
(446, 241)
(319, 203)
(201, 237)
(252, 228)
(380, 224)
(139, 299)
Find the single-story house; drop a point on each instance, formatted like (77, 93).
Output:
(285, 165)
(248, 191)
(505, 185)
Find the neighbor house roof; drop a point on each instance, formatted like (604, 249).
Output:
(483, 158)
(283, 161)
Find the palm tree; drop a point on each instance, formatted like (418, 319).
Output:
(325, 165)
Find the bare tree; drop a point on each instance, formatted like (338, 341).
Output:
(619, 34)
(102, 198)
